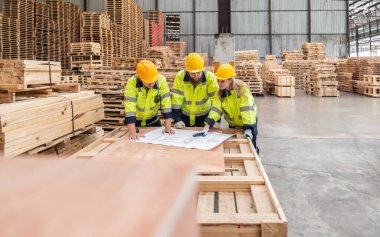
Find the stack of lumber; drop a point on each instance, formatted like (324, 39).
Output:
(178, 47)
(125, 191)
(284, 86)
(85, 55)
(298, 68)
(172, 27)
(42, 31)
(314, 51)
(110, 83)
(323, 81)
(249, 72)
(47, 119)
(165, 54)
(289, 55)
(156, 19)
(68, 145)
(28, 72)
(250, 55)
(372, 85)
(344, 77)
(96, 27)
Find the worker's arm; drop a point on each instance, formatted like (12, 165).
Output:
(166, 106)
(215, 109)
(130, 99)
(248, 109)
(177, 97)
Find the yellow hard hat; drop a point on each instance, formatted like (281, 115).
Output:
(194, 63)
(224, 72)
(147, 71)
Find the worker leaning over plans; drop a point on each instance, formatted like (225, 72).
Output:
(145, 93)
(194, 92)
(237, 103)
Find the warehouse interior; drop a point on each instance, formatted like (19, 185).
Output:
(70, 168)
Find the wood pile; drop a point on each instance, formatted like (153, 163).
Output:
(28, 72)
(250, 55)
(290, 55)
(85, 55)
(372, 85)
(344, 78)
(323, 81)
(270, 78)
(42, 27)
(173, 27)
(270, 62)
(284, 86)
(48, 119)
(178, 47)
(249, 72)
(131, 63)
(165, 54)
(156, 19)
(146, 41)
(96, 27)
(314, 51)
(298, 68)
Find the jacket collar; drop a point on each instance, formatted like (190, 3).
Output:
(187, 77)
(140, 84)
(225, 93)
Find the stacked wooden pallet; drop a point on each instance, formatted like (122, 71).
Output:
(270, 62)
(289, 55)
(251, 55)
(81, 79)
(28, 72)
(110, 83)
(146, 41)
(85, 55)
(178, 47)
(27, 33)
(165, 54)
(323, 81)
(284, 86)
(156, 19)
(372, 85)
(48, 119)
(298, 68)
(96, 27)
(314, 51)
(10, 37)
(344, 78)
(42, 20)
(249, 72)
(271, 75)
(173, 27)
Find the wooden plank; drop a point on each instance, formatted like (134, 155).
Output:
(261, 199)
(226, 202)
(227, 183)
(235, 218)
(205, 202)
(245, 203)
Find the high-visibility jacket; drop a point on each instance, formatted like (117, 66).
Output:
(195, 102)
(142, 104)
(239, 111)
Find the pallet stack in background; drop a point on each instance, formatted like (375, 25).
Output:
(291, 55)
(85, 55)
(344, 76)
(42, 20)
(270, 62)
(372, 85)
(298, 68)
(322, 81)
(284, 86)
(314, 51)
(248, 69)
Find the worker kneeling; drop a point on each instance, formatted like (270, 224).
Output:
(144, 94)
(237, 102)
(194, 93)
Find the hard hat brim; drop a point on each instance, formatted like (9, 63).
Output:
(150, 80)
(194, 71)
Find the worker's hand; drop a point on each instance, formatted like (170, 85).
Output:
(248, 134)
(203, 132)
(179, 125)
(168, 130)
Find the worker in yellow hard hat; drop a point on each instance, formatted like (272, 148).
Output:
(237, 103)
(194, 92)
(146, 93)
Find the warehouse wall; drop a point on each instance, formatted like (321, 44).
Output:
(250, 22)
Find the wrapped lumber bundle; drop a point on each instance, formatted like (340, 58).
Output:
(25, 125)
(28, 72)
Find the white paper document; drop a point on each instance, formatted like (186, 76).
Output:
(184, 138)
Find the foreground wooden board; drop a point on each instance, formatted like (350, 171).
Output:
(210, 162)
(78, 198)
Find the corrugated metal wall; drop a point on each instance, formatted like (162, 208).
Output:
(250, 23)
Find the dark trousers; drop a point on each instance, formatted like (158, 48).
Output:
(199, 121)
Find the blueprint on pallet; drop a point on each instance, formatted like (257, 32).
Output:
(184, 138)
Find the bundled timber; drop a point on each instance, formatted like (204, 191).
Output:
(28, 72)
(125, 192)
(248, 69)
(47, 119)
(314, 51)
(323, 81)
(290, 55)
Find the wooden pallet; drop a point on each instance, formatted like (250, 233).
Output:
(372, 91)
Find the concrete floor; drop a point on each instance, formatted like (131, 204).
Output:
(322, 156)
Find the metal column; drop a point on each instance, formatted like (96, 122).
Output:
(270, 26)
(309, 20)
